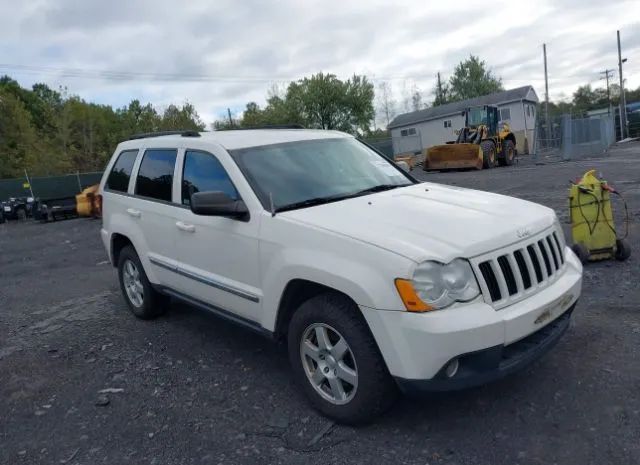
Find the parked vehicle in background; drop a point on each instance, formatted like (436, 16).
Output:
(57, 209)
(376, 281)
(17, 208)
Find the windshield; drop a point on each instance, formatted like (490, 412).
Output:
(314, 171)
(477, 116)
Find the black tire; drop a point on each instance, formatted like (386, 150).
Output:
(375, 391)
(153, 303)
(21, 213)
(623, 250)
(581, 252)
(488, 154)
(508, 153)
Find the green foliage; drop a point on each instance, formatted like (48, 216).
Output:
(17, 135)
(48, 132)
(471, 78)
(321, 101)
(585, 99)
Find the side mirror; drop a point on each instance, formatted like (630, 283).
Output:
(218, 204)
(403, 165)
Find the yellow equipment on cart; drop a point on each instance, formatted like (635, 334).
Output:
(592, 226)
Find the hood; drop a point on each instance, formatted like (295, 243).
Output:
(431, 221)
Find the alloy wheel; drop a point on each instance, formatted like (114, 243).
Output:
(329, 363)
(133, 284)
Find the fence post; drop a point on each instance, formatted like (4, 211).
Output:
(566, 137)
(79, 182)
(26, 175)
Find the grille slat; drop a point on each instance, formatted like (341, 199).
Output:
(507, 273)
(491, 281)
(560, 251)
(554, 253)
(538, 252)
(502, 284)
(545, 257)
(535, 261)
(506, 277)
(524, 269)
(516, 272)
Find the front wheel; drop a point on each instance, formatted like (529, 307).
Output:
(488, 154)
(22, 214)
(336, 360)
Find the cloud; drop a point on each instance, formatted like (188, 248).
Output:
(222, 54)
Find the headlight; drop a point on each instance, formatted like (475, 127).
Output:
(438, 285)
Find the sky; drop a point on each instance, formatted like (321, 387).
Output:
(220, 54)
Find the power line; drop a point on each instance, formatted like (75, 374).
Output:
(186, 77)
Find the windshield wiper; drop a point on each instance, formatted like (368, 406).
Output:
(311, 202)
(378, 188)
(334, 198)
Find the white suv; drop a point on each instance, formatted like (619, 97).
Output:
(375, 280)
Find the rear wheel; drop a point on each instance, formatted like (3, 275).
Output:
(508, 153)
(336, 360)
(488, 154)
(143, 301)
(22, 214)
(581, 252)
(623, 250)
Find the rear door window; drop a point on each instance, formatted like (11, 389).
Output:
(204, 173)
(155, 176)
(118, 179)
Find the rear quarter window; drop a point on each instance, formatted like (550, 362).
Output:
(120, 175)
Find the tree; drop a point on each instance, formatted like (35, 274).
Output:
(416, 99)
(471, 78)
(185, 117)
(323, 101)
(441, 92)
(17, 136)
(583, 99)
(386, 103)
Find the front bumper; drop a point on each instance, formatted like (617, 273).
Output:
(491, 364)
(417, 346)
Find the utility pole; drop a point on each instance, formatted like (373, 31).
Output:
(230, 119)
(606, 73)
(546, 93)
(623, 103)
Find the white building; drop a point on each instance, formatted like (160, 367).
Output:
(413, 132)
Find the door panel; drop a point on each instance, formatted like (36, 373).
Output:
(151, 207)
(218, 257)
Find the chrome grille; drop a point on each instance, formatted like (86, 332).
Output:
(508, 275)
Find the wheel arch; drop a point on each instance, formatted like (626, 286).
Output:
(511, 137)
(295, 293)
(118, 242)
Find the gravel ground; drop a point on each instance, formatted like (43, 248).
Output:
(83, 382)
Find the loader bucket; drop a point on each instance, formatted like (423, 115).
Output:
(453, 156)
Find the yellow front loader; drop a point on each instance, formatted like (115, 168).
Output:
(480, 143)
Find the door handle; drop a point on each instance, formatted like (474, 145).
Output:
(134, 213)
(186, 227)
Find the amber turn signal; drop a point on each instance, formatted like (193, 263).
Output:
(409, 297)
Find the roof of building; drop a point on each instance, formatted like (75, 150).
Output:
(232, 139)
(427, 114)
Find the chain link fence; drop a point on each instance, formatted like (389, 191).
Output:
(49, 187)
(569, 138)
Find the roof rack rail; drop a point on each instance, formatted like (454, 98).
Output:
(183, 133)
(273, 126)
